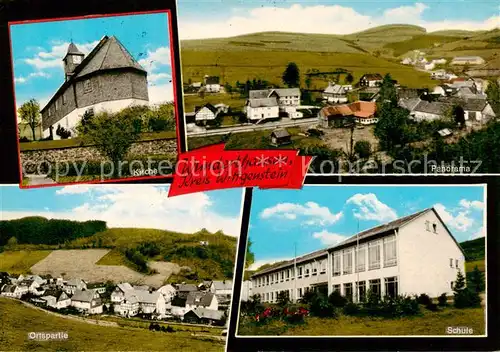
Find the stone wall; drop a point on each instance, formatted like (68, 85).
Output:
(31, 158)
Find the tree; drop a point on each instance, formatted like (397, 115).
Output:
(308, 82)
(459, 283)
(363, 149)
(349, 78)
(388, 92)
(12, 242)
(29, 113)
(493, 93)
(476, 280)
(112, 134)
(392, 127)
(291, 75)
(249, 257)
(283, 298)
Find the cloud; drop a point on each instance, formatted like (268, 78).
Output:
(156, 58)
(370, 208)
(461, 221)
(145, 206)
(325, 19)
(160, 93)
(313, 213)
(53, 57)
(329, 238)
(475, 204)
(155, 77)
(24, 79)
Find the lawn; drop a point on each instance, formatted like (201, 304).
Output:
(428, 323)
(20, 262)
(18, 320)
(193, 100)
(77, 142)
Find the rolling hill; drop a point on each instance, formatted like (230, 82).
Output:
(264, 55)
(134, 248)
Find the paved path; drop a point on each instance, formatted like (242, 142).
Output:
(37, 180)
(252, 127)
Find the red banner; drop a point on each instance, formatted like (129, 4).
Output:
(213, 167)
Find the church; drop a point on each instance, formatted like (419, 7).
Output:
(107, 79)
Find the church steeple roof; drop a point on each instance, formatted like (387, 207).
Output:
(73, 49)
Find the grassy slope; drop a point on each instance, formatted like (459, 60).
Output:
(475, 254)
(20, 262)
(18, 320)
(429, 323)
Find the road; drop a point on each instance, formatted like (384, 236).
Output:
(37, 180)
(252, 128)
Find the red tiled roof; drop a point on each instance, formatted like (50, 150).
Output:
(361, 109)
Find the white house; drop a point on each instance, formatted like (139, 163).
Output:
(71, 286)
(212, 84)
(87, 301)
(371, 80)
(14, 291)
(408, 256)
(118, 294)
(467, 60)
(264, 108)
(168, 291)
(136, 301)
(203, 300)
(62, 301)
(207, 112)
(336, 93)
(407, 61)
(478, 110)
(222, 288)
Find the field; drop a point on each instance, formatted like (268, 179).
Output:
(20, 262)
(193, 100)
(469, 266)
(18, 320)
(429, 323)
(82, 264)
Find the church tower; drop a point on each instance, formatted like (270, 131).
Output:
(72, 59)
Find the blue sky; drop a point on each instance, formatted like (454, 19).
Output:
(38, 50)
(320, 216)
(142, 205)
(206, 19)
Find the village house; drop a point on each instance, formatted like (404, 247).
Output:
(212, 84)
(336, 93)
(428, 111)
(141, 301)
(280, 137)
(441, 74)
(184, 289)
(202, 299)
(267, 103)
(412, 255)
(362, 112)
(371, 80)
(71, 286)
(14, 291)
(478, 110)
(108, 78)
(409, 103)
(118, 293)
(467, 60)
(168, 291)
(57, 300)
(205, 285)
(205, 113)
(222, 288)
(87, 301)
(203, 316)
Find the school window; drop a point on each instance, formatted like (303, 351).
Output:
(348, 291)
(434, 227)
(375, 287)
(63, 98)
(300, 272)
(347, 261)
(323, 266)
(451, 285)
(428, 225)
(361, 290)
(336, 264)
(87, 86)
(451, 262)
(288, 274)
(390, 255)
(282, 276)
(456, 263)
(299, 292)
(374, 255)
(57, 104)
(50, 111)
(391, 286)
(307, 272)
(314, 268)
(361, 258)
(336, 288)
